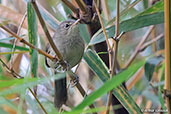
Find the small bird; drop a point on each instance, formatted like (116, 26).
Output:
(71, 46)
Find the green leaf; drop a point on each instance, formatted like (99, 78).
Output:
(97, 65)
(32, 30)
(15, 52)
(150, 65)
(154, 16)
(145, 3)
(6, 45)
(158, 7)
(19, 85)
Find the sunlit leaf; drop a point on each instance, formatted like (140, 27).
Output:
(6, 45)
(19, 85)
(15, 52)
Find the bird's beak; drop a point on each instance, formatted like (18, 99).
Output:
(76, 22)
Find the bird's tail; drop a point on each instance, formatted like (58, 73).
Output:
(60, 92)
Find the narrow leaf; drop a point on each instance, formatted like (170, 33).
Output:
(19, 85)
(32, 29)
(6, 45)
(154, 15)
(110, 84)
(97, 65)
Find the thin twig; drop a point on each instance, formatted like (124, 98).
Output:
(151, 42)
(10, 70)
(81, 5)
(70, 5)
(21, 24)
(115, 51)
(103, 28)
(138, 47)
(27, 43)
(117, 19)
(106, 37)
(59, 56)
(38, 101)
(15, 40)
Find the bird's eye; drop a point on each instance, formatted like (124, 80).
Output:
(67, 25)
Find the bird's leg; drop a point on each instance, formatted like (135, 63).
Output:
(73, 82)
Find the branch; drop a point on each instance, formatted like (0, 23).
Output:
(151, 42)
(115, 51)
(138, 47)
(27, 43)
(103, 28)
(59, 56)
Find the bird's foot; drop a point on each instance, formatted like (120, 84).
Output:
(74, 82)
(62, 66)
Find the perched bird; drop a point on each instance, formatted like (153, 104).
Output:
(71, 46)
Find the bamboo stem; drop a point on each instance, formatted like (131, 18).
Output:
(115, 51)
(167, 12)
(103, 28)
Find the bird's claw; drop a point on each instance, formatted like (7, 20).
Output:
(74, 82)
(62, 67)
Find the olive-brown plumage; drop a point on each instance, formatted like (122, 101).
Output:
(71, 46)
